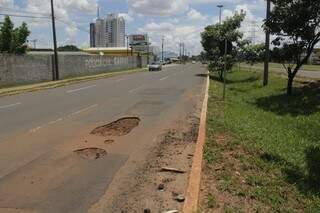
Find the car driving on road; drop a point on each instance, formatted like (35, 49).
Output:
(155, 66)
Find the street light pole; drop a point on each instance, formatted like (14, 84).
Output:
(56, 63)
(220, 6)
(162, 49)
(267, 49)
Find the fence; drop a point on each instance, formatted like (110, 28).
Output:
(39, 68)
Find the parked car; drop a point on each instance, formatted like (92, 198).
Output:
(193, 62)
(155, 66)
(163, 62)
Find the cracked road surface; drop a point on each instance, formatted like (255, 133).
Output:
(43, 132)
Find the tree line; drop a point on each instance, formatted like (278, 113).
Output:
(14, 40)
(295, 26)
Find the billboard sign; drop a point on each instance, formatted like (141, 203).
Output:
(139, 39)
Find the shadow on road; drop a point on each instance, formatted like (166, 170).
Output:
(228, 81)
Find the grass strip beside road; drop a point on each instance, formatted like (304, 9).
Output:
(13, 90)
(277, 66)
(262, 152)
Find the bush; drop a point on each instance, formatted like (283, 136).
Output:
(313, 165)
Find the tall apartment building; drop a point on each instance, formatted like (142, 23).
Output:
(108, 32)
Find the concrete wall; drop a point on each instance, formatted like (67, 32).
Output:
(38, 68)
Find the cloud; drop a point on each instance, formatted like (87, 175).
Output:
(127, 17)
(196, 15)
(252, 25)
(68, 14)
(158, 7)
(6, 3)
(174, 34)
(214, 1)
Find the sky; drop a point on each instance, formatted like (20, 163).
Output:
(174, 20)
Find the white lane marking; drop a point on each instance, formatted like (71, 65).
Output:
(164, 78)
(10, 105)
(61, 119)
(133, 90)
(56, 121)
(79, 89)
(36, 129)
(83, 110)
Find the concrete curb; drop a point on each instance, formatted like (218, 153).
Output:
(192, 196)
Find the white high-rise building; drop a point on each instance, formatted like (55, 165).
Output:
(108, 32)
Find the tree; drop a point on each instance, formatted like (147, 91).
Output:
(213, 42)
(253, 53)
(296, 25)
(6, 32)
(240, 51)
(13, 40)
(71, 48)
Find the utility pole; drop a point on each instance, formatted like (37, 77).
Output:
(183, 51)
(34, 41)
(127, 45)
(56, 63)
(180, 52)
(148, 60)
(267, 49)
(162, 49)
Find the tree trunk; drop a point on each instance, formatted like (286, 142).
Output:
(221, 75)
(290, 83)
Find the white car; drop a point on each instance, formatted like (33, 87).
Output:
(155, 66)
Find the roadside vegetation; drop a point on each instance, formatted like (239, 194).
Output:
(13, 40)
(262, 152)
(279, 66)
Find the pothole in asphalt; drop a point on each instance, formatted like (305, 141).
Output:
(120, 127)
(109, 141)
(91, 153)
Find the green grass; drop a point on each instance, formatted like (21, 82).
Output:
(306, 67)
(270, 138)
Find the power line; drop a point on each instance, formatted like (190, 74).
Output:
(21, 11)
(44, 17)
(73, 25)
(24, 16)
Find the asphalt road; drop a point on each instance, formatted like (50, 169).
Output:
(39, 131)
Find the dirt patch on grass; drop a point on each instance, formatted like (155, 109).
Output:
(91, 153)
(120, 127)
